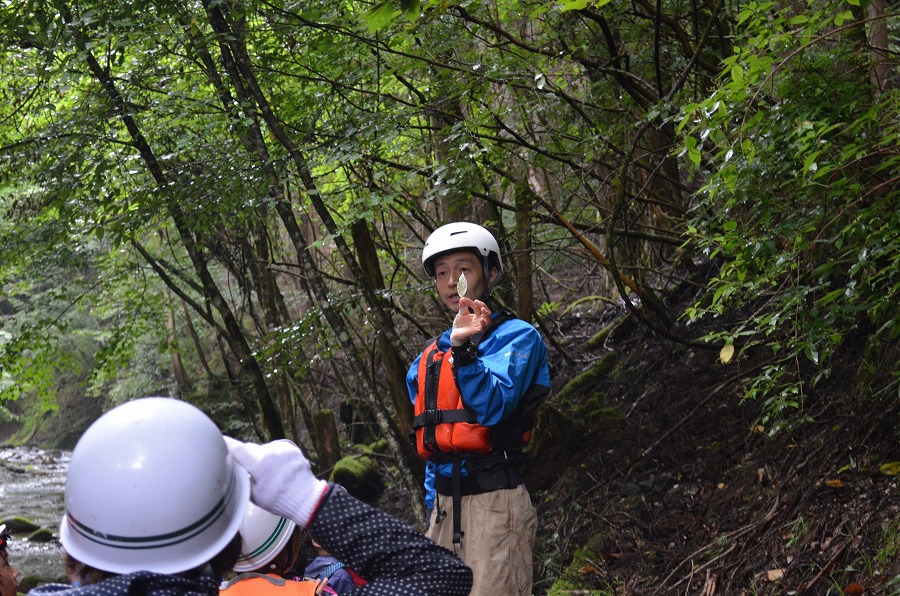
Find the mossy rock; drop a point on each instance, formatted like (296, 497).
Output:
(584, 576)
(19, 524)
(379, 446)
(357, 473)
(596, 342)
(41, 535)
(563, 428)
(597, 415)
(588, 380)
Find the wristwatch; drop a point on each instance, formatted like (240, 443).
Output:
(464, 354)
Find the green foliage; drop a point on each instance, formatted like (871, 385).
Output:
(548, 308)
(890, 545)
(130, 363)
(799, 206)
(183, 184)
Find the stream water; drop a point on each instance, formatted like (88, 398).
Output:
(32, 482)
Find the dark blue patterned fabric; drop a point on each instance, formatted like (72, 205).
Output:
(140, 582)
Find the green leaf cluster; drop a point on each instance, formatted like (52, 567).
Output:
(798, 208)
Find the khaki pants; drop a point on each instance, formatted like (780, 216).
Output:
(498, 539)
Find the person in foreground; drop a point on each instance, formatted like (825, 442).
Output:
(475, 389)
(155, 496)
(9, 575)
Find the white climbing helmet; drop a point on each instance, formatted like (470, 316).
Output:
(263, 536)
(151, 486)
(461, 236)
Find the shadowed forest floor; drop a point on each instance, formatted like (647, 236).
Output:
(652, 477)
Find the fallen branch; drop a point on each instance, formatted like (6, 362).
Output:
(825, 570)
(730, 536)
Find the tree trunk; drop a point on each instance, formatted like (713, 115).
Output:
(181, 377)
(883, 76)
(395, 367)
(221, 25)
(328, 447)
(250, 371)
(525, 292)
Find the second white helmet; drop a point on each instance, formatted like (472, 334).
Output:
(263, 536)
(151, 486)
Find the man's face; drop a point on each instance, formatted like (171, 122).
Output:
(447, 269)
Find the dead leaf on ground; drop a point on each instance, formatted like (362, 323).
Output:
(773, 575)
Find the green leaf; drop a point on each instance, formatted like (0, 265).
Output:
(574, 5)
(842, 17)
(379, 15)
(411, 9)
(812, 353)
(694, 156)
(830, 297)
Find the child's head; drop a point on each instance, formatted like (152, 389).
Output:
(151, 486)
(269, 543)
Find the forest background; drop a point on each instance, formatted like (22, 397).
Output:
(226, 202)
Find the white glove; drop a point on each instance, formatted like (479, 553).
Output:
(281, 479)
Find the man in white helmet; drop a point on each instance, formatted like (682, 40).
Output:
(155, 497)
(475, 390)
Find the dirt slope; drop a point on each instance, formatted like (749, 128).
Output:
(652, 477)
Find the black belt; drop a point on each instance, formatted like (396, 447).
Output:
(495, 472)
(480, 481)
(468, 485)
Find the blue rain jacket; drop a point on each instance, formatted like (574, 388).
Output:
(511, 359)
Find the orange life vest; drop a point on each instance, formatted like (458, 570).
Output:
(258, 584)
(442, 424)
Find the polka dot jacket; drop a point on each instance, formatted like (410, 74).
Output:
(140, 582)
(394, 559)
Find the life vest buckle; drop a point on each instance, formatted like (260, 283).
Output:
(433, 417)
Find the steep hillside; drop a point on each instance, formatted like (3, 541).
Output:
(653, 477)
